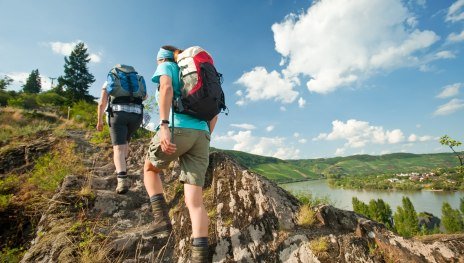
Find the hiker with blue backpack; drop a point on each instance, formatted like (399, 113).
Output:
(121, 97)
(189, 99)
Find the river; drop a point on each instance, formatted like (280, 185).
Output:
(428, 201)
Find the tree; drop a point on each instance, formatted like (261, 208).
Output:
(77, 77)
(461, 206)
(446, 140)
(451, 219)
(5, 82)
(376, 210)
(360, 207)
(381, 212)
(33, 84)
(405, 219)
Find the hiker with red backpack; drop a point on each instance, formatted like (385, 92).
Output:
(121, 97)
(184, 133)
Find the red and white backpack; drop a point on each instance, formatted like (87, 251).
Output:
(202, 95)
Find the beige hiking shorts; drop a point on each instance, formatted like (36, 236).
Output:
(192, 149)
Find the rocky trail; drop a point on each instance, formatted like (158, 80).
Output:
(252, 220)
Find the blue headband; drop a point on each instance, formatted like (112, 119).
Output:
(163, 53)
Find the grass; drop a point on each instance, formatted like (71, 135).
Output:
(306, 216)
(17, 122)
(319, 245)
(51, 168)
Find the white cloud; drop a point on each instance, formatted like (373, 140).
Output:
(302, 141)
(245, 126)
(263, 85)
(415, 138)
(270, 128)
(95, 58)
(65, 49)
(267, 146)
(62, 48)
(455, 12)
(332, 47)
(301, 102)
(359, 133)
(20, 78)
(453, 37)
(340, 151)
(445, 55)
(450, 91)
(450, 107)
(296, 135)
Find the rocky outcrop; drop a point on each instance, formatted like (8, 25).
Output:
(20, 156)
(252, 220)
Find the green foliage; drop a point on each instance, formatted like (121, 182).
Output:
(50, 98)
(452, 219)
(406, 220)
(50, 169)
(5, 201)
(377, 210)
(451, 143)
(4, 97)
(85, 112)
(8, 185)
(11, 255)
(5, 82)
(77, 78)
(461, 206)
(16, 123)
(349, 172)
(312, 201)
(33, 84)
(360, 207)
(24, 101)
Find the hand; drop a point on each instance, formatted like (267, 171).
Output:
(165, 140)
(100, 126)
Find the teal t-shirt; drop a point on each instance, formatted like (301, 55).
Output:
(180, 120)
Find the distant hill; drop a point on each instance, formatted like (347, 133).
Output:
(282, 171)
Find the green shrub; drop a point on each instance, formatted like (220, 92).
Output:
(11, 255)
(50, 99)
(4, 97)
(24, 101)
(85, 113)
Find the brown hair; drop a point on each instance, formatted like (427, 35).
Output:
(174, 49)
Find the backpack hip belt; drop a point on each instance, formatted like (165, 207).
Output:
(127, 108)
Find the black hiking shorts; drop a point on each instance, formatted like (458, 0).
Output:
(123, 125)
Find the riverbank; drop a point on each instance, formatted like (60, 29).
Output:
(423, 200)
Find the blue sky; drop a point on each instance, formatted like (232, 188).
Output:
(303, 79)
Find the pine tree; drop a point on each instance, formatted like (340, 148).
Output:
(5, 82)
(77, 78)
(406, 220)
(451, 219)
(33, 84)
(380, 212)
(360, 207)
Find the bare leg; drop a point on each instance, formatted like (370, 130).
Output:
(197, 211)
(151, 179)
(119, 156)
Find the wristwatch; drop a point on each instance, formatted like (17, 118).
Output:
(163, 122)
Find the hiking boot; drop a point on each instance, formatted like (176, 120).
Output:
(161, 226)
(199, 255)
(123, 185)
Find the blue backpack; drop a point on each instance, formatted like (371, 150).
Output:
(125, 85)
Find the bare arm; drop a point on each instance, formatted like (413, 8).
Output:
(101, 108)
(212, 124)
(166, 94)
